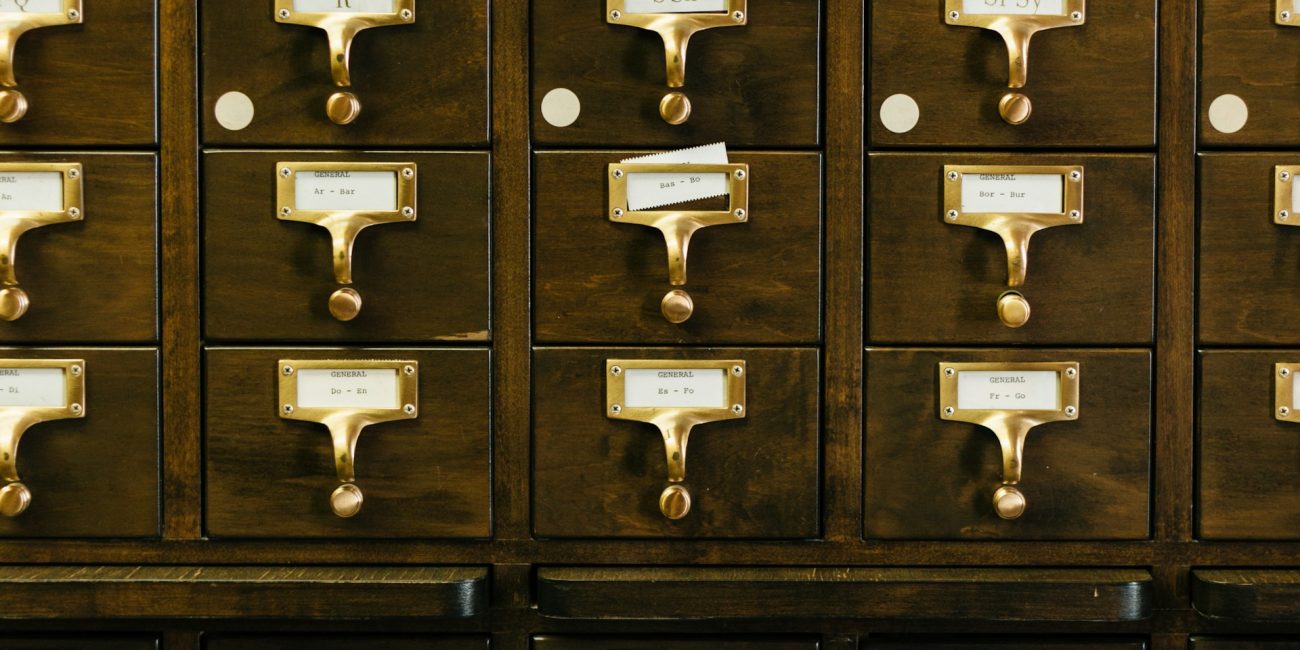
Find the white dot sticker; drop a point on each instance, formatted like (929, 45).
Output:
(1228, 113)
(234, 111)
(561, 107)
(899, 113)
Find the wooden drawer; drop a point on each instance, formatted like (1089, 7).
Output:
(271, 279)
(930, 478)
(1248, 266)
(1248, 485)
(755, 85)
(933, 280)
(672, 643)
(1247, 596)
(1211, 643)
(89, 641)
(1243, 59)
(421, 84)
(599, 477)
(95, 279)
(343, 642)
(596, 280)
(267, 476)
(1090, 85)
(94, 475)
(1008, 643)
(91, 83)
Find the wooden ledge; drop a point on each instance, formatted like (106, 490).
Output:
(1247, 595)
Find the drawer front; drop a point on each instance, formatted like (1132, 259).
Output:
(1086, 478)
(599, 477)
(90, 641)
(1248, 483)
(267, 476)
(1089, 85)
(672, 643)
(757, 281)
(1248, 265)
(935, 280)
(89, 84)
(1245, 102)
(95, 279)
(343, 642)
(272, 279)
(94, 475)
(423, 83)
(1211, 643)
(1009, 643)
(752, 85)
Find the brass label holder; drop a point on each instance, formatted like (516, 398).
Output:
(1010, 425)
(345, 423)
(1284, 392)
(674, 422)
(678, 226)
(1284, 195)
(1015, 228)
(676, 30)
(341, 27)
(1285, 15)
(343, 224)
(1016, 30)
(16, 420)
(13, 24)
(14, 301)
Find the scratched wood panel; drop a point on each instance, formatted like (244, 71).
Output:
(270, 477)
(95, 476)
(756, 85)
(932, 479)
(266, 279)
(1091, 86)
(422, 84)
(89, 84)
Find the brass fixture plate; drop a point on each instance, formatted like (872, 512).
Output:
(678, 226)
(1284, 391)
(1067, 375)
(14, 24)
(1016, 29)
(676, 29)
(1284, 14)
(408, 392)
(342, 27)
(15, 420)
(1284, 195)
(13, 223)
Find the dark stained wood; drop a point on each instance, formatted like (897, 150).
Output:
(95, 476)
(752, 477)
(756, 85)
(1247, 595)
(1009, 643)
(90, 84)
(671, 643)
(1092, 85)
(1211, 643)
(599, 281)
(936, 282)
(1247, 264)
(94, 281)
(931, 479)
(270, 477)
(83, 642)
(157, 592)
(1248, 484)
(1235, 39)
(343, 642)
(420, 85)
(266, 279)
(941, 594)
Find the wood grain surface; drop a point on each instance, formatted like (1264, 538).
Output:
(665, 642)
(270, 477)
(1235, 39)
(1247, 595)
(343, 642)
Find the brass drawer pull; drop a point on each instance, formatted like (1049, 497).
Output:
(42, 194)
(13, 24)
(33, 391)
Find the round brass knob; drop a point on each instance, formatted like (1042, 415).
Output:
(677, 306)
(1015, 108)
(345, 304)
(13, 303)
(343, 108)
(675, 108)
(14, 499)
(13, 106)
(346, 500)
(675, 502)
(1009, 502)
(1013, 309)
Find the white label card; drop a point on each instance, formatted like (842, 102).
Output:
(1295, 7)
(1015, 7)
(1012, 193)
(675, 388)
(31, 6)
(344, 6)
(1295, 385)
(648, 191)
(31, 191)
(673, 6)
(346, 190)
(1008, 390)
(362, 388)
(33, 387)
(1295, 193)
